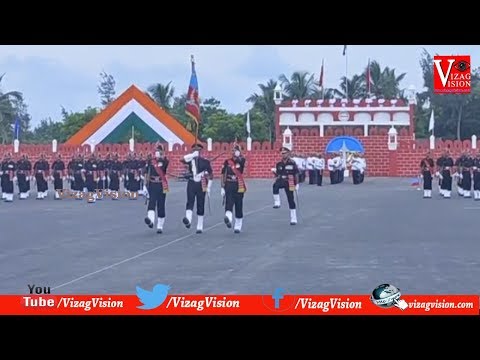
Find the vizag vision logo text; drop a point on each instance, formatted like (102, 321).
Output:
(326, 306)
(200, 305)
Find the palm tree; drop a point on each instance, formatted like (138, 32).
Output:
(7, 112)
(301, 85)
(266, 104)
(384, 83)
(353, 88)
(162, 94)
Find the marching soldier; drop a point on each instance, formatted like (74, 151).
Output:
(426, 168)
(8, 177)
(78, 173)
(458, 174)
(467, 164)
(59, 175)
(91, 178)
(115, 175)
(287, 173)
(101, 184)
(157, 187)
(319, 167)
(358, 169)
(476, 176)
(198, 185)
(446, 174)
(142, 166)
(41, 169)
(24, 167)
(439, 163)
(233, 188)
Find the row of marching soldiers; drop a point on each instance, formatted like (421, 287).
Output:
(92, 174)
(314, 165)
(465, 172)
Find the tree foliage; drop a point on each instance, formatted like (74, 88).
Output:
(106, 88)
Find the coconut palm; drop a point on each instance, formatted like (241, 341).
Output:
(301, 85)
(162, 94)
(384, 83)
(7, 112)
(264, 102)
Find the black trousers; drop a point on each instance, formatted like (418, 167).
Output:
(467, 180)
(283, 184)
(301, 176)
(157, 198)
(233, 198)
(78, 184)
(195, 192)
(312, 180)
(427, 180)
(356, 177)
(22, 183)
(114, 182)
(447, 180)
(333, 177)
(476, 180)
(340, 175)
(7, 184)
(319, 177)
(90, 183)
(57, 181)
(42, 184)
(102, 184)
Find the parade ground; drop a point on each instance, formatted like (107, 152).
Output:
(348, 240)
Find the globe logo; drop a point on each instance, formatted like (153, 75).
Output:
(385, 296)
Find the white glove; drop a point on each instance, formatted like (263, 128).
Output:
(297, 187)
(190, 157)
(15, 179)
(274, 170)
(209, 187)
(195, 154)
(1, 172)
(222, 192)
(108, 178)
(32, 178)
(141, 177)
(64, 178)
(103, 178)
(421, 176)
(460, 176)
(437, 174)
(121, 178)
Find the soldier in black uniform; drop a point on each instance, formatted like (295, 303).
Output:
(3, 165)
(142, 166)
(439, 164)
(199, 184)
(446, 174)
(24, 167)
(91, 178)
(78, 173)
(458, 174)
(157, 187)
(134, 177)
(286, 172)
(476, 176)
(59, 175)
(41, 169)
(426, 168)
(234, 188)
(101, 184)
(126, 171)
(8, 177)
(115, 174)
(107, 166)
(467, 164)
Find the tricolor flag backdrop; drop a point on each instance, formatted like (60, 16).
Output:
(192, 107)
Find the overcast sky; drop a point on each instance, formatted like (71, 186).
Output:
(52, 76)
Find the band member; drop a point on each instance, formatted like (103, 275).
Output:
(59, 175)
(24, 167)
(287, 173)
(446, 174)
(198, 185)
(467, 164)
(91, 178)
(157, 186)
(332, 171)
(115, 175)
(310, 167)
(41, 169)
(233, 188)
(476, 176)
(358, 169)
(8, 177)
(319, 167)
(426, 169)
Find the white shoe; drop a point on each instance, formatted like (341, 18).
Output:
(9, 198)
(467, 194)
(276, 201)
(199, 224)
(150, 219)
(447, 194)
(238, 225)
(228, 219)
(160, 223)
(187, 220)
(425, 194)
(293, 217)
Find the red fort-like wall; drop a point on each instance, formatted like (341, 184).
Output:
(380, 161)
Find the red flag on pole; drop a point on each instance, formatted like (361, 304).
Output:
(192, 107)
(368, 77)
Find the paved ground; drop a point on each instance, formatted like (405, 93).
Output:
(349, 240)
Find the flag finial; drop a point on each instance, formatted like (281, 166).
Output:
(192, 59)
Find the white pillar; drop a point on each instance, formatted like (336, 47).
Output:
(209, 144)
(92, 148)
(365, 130)
(322, 130)
(249, 144)
(170, 146)
(54, 145)
(16, 145)
(432, 142)
(474, 142)
(131, 144)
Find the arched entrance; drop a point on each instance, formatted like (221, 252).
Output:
(344, 145)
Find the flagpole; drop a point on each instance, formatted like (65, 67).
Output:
(323, 87)
(346, 72)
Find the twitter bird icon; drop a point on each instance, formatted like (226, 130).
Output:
(152, 299)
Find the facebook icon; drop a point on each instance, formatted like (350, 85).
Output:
(277, 296)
